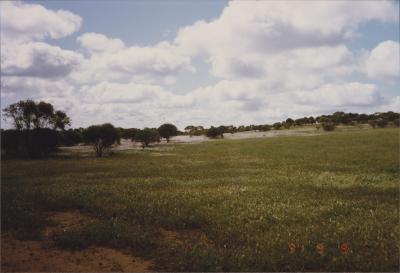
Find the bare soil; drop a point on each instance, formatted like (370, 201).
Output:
(39, 256)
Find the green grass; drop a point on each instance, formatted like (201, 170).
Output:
(251, 198)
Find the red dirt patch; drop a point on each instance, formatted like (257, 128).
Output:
(65, 221)
(44, 256)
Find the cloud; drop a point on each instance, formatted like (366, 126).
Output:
(280, 25)
(132, 93)
(383, 62)
(95, 43)
(255, 101)
(23, 29)
(37, 59)
(340, 95)
(35, 88)
(21, 22)
(112, 61)
(268, 60)
(248, 34)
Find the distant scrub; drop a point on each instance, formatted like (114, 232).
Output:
(39, 129)
(327, 122)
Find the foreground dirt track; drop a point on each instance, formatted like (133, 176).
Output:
(39, 256)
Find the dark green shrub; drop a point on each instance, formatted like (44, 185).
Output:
(265, 127)
(28, 143)
(214, 132)
(277, 125)
(381, 123)
(147, 136)
(328, 126)
(70, 137)
(101, 137)
(167, 130)
(129, 133)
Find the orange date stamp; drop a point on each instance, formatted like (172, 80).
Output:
(320, 248)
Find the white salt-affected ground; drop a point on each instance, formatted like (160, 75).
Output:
(129, 145)
(304, 131)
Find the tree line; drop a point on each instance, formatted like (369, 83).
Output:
(39, 129)
(326, 122)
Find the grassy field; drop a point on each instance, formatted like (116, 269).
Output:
(276, 204)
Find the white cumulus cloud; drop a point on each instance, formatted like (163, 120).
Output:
(109, 60)
(37, 59)
(21, 22)
(383, 62)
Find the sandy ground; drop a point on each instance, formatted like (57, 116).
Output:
(40, 256)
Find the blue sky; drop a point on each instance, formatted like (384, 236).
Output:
(136, 62)
(136, 22)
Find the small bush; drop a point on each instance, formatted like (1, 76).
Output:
(147, 136)
(372, 123)
(328, 126)
(277, 125)
(214, 132)
(382, 123)
(265, 127)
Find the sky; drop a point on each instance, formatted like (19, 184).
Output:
(144, 63)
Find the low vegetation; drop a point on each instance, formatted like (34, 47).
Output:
(317, 203)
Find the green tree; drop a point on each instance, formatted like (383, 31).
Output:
(101, 137)
(277, 125)
(189, 128)
(71, 137)
(60, 120)
(147, 136)
(167, 131)
(35, 128)
(27, 114)
(129, 133)
(214, 132)
(265, 127)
